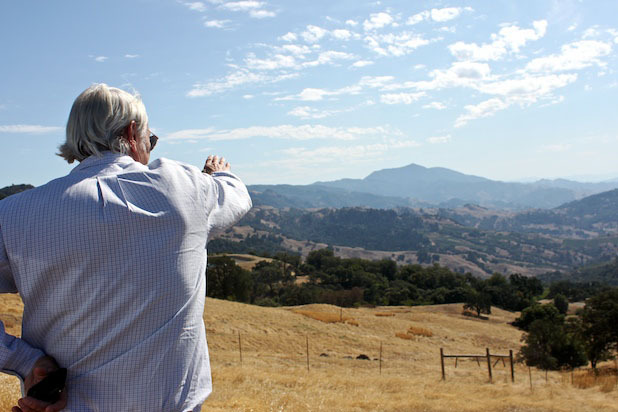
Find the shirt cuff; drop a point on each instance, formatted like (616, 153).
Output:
(21, 357)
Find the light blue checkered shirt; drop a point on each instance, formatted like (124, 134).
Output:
(110, 262)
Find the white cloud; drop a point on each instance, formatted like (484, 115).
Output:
(217, 24)
(235, 79)
(297, 50)
(246, 5)
(439, 139)
(375, 81)
(445, 14)
(314, 95)
(101, 59)
(313, 34)
(300, 156)
(471, 51)
(516, 38)
(289, 36)
(287, 132)
(329, 57)
(401, 98)
(528, 88)
(248, 96)
(591, 32)
(395, 44)
(306, 112)
(131, 56)
(29, 129)
(437, 15)
(435, 105)
(573, 56)
(483, 109)
(276, 62)
(419, 17)
(377, 21)
(197, 6)
(342, 34)
(351, 23)
(261, 14)
(362, 63)
(508, 39)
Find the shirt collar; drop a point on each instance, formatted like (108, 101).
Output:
(106, 158)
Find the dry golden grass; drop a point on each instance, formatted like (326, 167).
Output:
(413, 332)
(274, 377)
(327, 317)
(606, 379)
(384, 314)
(404, 335)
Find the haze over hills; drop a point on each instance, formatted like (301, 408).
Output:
(418, 186)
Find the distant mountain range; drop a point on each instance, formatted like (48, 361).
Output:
(418, 186)
(469, 238)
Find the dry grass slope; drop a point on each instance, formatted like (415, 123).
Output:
(274, 377)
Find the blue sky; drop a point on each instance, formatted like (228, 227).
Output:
(298, 91)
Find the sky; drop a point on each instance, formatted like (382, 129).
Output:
(298, 91)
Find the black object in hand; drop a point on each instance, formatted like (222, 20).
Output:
(49, 389)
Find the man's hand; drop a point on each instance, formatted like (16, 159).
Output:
(42, 367)
(214, 164)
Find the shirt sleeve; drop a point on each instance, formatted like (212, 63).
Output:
(17, 357)
(7, 283)
(233, 200)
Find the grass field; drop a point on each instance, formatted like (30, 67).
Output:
(274, 376)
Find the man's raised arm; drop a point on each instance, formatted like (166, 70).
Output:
(233, 199)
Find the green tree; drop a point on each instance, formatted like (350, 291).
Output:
(226, 280)
(480, 302)
(561, 303)
(599, 318)
(551, 345)
(538, 312)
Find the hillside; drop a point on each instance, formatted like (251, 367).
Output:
(273, 375)
(419, 236)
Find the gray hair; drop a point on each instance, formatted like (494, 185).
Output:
(97, 122)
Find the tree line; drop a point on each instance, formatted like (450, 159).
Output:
(553, 339)
(325, 278)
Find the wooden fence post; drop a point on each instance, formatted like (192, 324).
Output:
(239, 348)
(489, 365)
(512, 368)
(307, 352)
(340, 314)
(442, 362)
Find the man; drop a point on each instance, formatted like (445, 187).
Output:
(110, 261)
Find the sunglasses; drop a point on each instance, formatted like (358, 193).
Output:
(153, 140)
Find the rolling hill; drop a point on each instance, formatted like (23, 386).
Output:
(273, 374)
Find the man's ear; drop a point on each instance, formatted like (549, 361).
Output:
(131, 134)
